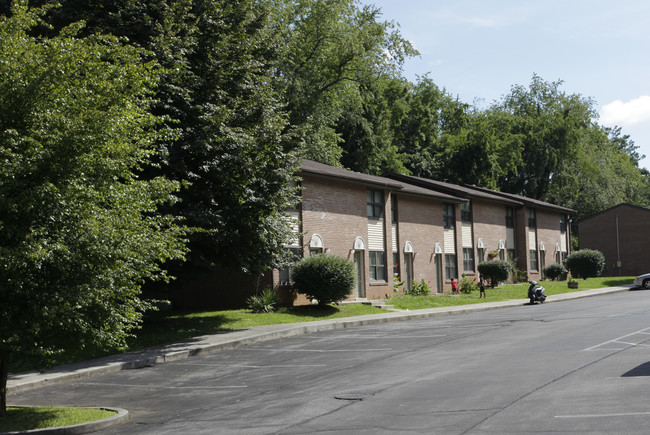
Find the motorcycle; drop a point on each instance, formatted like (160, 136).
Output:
(536, 293)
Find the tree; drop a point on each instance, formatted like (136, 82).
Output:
(333, 52)
(549, 124)
(79, 231)
(235, 151)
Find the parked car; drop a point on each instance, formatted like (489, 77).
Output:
(642, 281)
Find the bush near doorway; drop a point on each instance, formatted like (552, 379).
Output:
(325, 278)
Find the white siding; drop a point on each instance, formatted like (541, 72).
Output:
(532, 240)
(563, 243)
(375, 235)
(394, 236)
(450, 243)
(294, 221)
(467, 234)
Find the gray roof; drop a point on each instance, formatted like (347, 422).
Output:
(462, 191)
(529, 202)
(321, 170)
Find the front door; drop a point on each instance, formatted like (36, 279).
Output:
(361, 273)
(408, 268)
(438, 261)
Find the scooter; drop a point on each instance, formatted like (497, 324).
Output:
(536, 293)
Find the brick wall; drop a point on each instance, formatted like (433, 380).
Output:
(420, 222)
(599, 232)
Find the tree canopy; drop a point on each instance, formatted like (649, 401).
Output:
(79, 230)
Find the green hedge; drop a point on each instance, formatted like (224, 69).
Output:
(495, 271)
(554, 271)
(326, 278)
(586, 263)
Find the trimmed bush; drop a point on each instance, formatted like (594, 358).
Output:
(586, 263)
(495, 271)
(554, 271)
(326, 278)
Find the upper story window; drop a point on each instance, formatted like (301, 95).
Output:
(563, 224)
(510, 217)
(375, 204)
(448, 215)
(532, 219)
(466, 212)
(393, 209)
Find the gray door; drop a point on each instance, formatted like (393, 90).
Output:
(438, 261)
(408, 269)
(361, 273)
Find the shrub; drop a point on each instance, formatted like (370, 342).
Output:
(265, 302)
(467, 286)
(554, 271)
(495, 271)
(586, 263)
(418, 289)
(326, 278)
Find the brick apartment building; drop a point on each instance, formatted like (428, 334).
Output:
(621, 233)
(419, 229)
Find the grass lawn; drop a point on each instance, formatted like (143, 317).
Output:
(19, 419)
(503, 293)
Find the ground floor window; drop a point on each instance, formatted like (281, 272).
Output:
(451, 272)
(396, 271)
(511, 255)
(468, 260)
(377, 266)
(285, 277)
(533, 260)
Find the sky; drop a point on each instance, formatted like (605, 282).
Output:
(478, 49)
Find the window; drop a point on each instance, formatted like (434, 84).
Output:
(450, 266)
(286, 277)
(396, 264)
(377, 266)
(393, 209)
(533, 260)
(448, 215)
(511, 255)
(510, 217)
(563, 224)
(532, 219)
(375, 204)
(466, 212)
(468, 260)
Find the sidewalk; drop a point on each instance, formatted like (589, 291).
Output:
(213, 343)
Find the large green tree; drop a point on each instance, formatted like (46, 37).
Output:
(550, 124)
(79, 230)
(234, 149)
(333, 52)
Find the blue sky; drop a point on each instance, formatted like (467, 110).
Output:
(478, 49)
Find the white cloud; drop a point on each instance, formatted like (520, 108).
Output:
(623, 113)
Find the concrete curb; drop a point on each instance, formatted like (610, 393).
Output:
(213, 343)
(81, 428)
